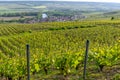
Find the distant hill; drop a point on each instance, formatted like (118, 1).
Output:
(106, 15)
(33, 6)
(91, 10)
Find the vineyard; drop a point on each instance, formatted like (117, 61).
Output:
(57, 50)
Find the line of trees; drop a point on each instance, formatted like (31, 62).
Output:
(19, 14)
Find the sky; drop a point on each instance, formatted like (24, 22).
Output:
(118, 1)
(93, 0)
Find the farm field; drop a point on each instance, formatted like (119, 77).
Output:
(14, 18)
(57, 50)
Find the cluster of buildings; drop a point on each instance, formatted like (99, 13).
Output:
(62, 18)
(46, 18)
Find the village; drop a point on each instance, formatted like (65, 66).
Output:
(46, 18)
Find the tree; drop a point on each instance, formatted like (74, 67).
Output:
(112, 18)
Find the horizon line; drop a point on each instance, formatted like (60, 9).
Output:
(62, 1)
